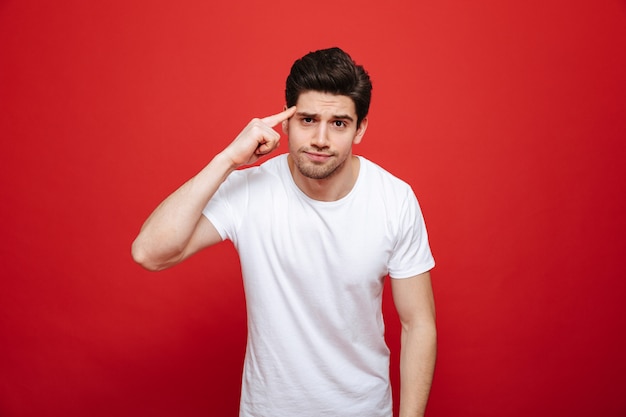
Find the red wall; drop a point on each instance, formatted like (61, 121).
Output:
(508, 118)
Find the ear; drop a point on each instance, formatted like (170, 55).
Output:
(360, 132)
(285, 123)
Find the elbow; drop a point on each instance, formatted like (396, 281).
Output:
(425, 330)
(429, 335)
(429, 330)
(141, 256)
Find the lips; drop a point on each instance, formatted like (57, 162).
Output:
(317, 156)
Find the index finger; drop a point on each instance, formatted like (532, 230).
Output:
(279, 117)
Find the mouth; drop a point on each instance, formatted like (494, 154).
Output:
(317, 156)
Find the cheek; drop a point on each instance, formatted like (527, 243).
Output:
(294, 134)
(344, 140)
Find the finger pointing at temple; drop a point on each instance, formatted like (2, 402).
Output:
(279, 117)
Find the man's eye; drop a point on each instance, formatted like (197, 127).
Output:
(307, 120)
(339, 123)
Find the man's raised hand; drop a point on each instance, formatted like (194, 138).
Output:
(258, 138)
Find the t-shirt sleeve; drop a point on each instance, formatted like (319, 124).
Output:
(411, 254)
(221, 210)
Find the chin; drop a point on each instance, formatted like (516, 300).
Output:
(317, 171)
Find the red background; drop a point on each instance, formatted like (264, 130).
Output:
(508, 118)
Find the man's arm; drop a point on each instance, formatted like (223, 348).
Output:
(177, 229)
(414, 301)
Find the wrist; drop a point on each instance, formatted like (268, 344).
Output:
(224, 162)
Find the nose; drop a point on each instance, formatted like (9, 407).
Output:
(320, 137)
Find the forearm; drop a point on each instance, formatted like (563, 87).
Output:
(166, 233)
(417, 364)
(175, 229)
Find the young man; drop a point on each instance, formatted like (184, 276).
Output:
(317, 230)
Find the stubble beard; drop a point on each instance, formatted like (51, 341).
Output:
(317, 171)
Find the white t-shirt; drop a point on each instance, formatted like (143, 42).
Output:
(313, 276)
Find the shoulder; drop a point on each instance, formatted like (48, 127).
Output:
(255, 183)
(376, 176)
(275, 165)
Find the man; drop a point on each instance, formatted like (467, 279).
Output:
(317, 230)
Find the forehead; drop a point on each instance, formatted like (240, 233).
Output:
(317, 102)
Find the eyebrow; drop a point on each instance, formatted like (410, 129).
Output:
(315, 116)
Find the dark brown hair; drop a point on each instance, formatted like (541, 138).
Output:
(330, 71)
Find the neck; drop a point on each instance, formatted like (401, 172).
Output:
(332, 188)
